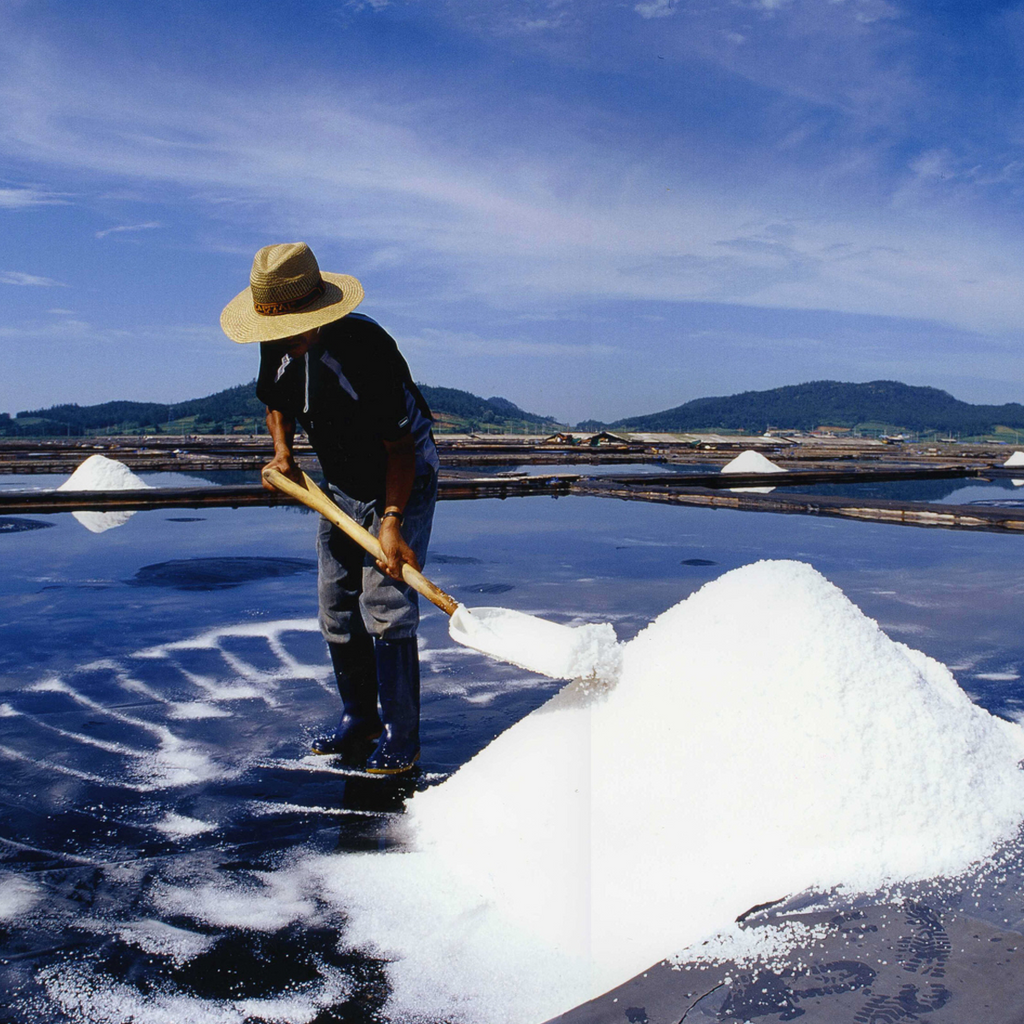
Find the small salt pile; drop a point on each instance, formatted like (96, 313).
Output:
(1016, 459)
(751, 462)
(98, 473)
(765, 737)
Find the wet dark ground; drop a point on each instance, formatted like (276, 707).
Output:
(160, 682)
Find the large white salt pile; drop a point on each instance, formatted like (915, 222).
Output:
(765, 736)
(752, 462)
(98, 473)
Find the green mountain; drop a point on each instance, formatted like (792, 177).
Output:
(461, 412)
(879, 404)
(237, 410)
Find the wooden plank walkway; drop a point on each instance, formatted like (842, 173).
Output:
(703, 490)
(44, 502)
(880, 510)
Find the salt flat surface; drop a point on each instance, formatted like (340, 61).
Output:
(765, 737)
(173, 852)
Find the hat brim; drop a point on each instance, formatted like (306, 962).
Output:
(241, 323)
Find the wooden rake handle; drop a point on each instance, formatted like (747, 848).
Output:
(309, 494)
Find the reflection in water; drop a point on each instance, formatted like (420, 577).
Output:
(100, 522)
(218, 573)
(488, 588)
(16, 524)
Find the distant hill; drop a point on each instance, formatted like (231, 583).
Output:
(460, 411)
(237, 410)
(879, 404)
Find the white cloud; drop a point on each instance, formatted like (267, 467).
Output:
(655, 8)
(16, 277)
(426, 184)
(129, 227)
(25, 198)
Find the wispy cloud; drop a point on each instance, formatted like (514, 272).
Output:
(17, 277)
(73, 329)
(424, 184)
(149, 225)
(25, 198)
(466, 343)
(148, 362)
(655, 8)
(566, 218)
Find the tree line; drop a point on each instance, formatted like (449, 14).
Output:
(237, 409)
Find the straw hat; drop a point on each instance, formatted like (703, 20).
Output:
(287, 295)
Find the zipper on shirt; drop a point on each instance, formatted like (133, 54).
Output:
(305, 407)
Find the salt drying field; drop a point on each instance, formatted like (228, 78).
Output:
(171, 852)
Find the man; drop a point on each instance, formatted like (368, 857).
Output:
(341, 377)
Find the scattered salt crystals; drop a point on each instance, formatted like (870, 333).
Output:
(271, 903)
(195, 711)
(539, 645)
(18, 896)
(765, 737)
(1016, 459)
(766, 946)
(176, 764)
(154, 936)
(98, 473)
(178, 826)
(752, 462)
(86, 994)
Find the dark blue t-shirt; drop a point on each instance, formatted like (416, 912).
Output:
(351, 392)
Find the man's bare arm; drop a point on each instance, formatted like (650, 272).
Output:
(282, 432)
(401, 473)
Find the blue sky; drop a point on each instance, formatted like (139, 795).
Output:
(595, 208)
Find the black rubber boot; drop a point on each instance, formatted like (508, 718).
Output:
(398, 684)
(359, 727)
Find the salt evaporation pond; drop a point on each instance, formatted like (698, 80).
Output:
(171, 853)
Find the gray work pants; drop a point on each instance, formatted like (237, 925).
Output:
(355, 596)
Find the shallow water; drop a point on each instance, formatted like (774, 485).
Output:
(154, 737)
